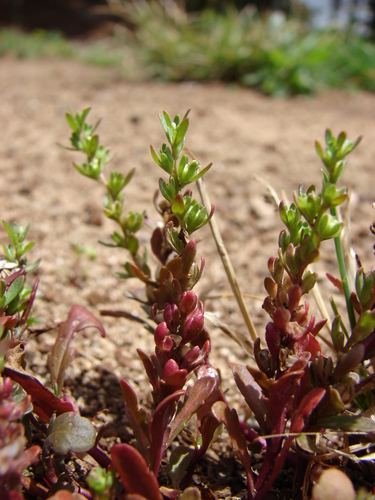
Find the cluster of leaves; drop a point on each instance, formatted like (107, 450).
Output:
(22, 396)
(294, 392)
(277, 55)
(181, 341)
(295, 387)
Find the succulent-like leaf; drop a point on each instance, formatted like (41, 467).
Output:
(69, 432)
(229, 417)
(62, 354)
(45, 403)
(252, 392)
(12, 292)
(347, 422)
(150, 370)
(348, 362)
(307, 405)
(159, 429)
(282, 395)
(134, 473)
(178, 464)
(197, 395)
(137, 417)
(363, 328)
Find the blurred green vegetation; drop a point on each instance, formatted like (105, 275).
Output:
(40, 43)
(277, 55)
(49, 44)
(274, 54)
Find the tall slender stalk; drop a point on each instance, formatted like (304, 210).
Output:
(227, 263)
(344, 276)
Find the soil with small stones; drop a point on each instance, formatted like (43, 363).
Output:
(245, 135)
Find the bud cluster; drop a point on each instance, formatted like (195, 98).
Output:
(181, 345)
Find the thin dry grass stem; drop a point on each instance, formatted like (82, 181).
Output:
(325, 315)
(227, 263)
(270, 189)
(307, 481)
(349, 253)
(231, 296)
(238, 337)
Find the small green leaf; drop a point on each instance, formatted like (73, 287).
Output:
(28, 247)
(179, 139)
(11, 232)
(309, 204)
(341, 140)
(332, 197)
(178, 205)
(200, 174)
(83, 115)
(71, 121)
(169, 190)
(100, 480)
(173, 239)
(178, 464)
(132, 245)
(329, 227)
(352, 423)
(13, 290)
(155, 156)
(319, 150)
(167, 125)
(364, 327)
(166, 162)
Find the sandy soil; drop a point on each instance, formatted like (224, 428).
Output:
(241, 132)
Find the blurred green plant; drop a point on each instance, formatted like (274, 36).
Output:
(39, 43)
(276, 55)
(52, 44)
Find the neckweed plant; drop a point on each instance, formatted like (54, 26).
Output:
(302, 402)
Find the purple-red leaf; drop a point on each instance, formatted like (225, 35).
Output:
(158, 429)
(305, 408)
(137, 418)
(134, 474)
(336, 282)
(229, 417)
(197, 395)
(174, 382)
(150, 370)
(282, 395)
(62, 354)
(252, 392)
(45, 403)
